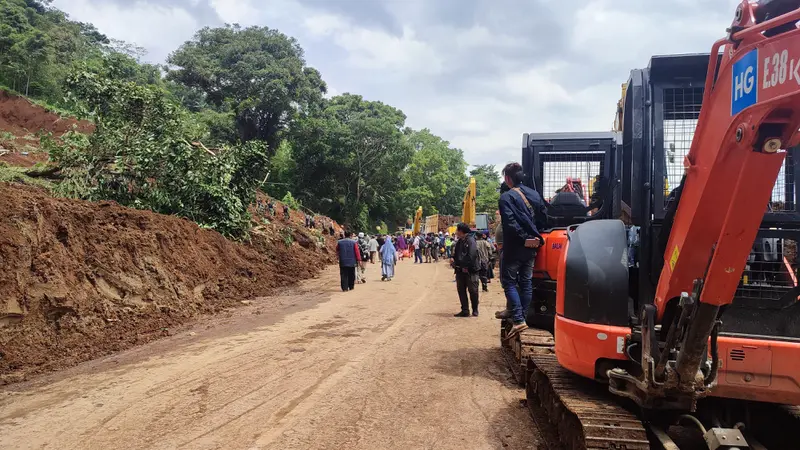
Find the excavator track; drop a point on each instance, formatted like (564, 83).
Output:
(585, 416)
(517, 351)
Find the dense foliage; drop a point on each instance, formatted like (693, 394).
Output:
(256, 75)
(141, 155)
(487, 178)
(247, 94)
(40, 47)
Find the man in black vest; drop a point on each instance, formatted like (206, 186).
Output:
(467, 265)
(349, 257)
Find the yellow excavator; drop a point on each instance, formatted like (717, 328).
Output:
(417, 221)
(468, 206)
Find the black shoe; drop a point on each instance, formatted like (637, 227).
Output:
(485, 289)
(504, 314)
(474, 313)
(462, 314)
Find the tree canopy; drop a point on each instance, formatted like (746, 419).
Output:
(233, 110)
(257, 74)
(436, 177)
(349, 158)
(487, 179)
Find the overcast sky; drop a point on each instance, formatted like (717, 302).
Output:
(477, 72)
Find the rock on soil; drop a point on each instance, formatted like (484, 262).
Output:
(81, 280)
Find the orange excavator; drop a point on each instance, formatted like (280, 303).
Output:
(659, 337)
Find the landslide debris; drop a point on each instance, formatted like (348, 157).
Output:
(81, 280)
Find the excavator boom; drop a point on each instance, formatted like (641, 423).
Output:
(751, 112)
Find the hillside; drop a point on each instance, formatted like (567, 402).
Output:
(21, 124)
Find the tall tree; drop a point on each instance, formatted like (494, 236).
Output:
(488, 180)
(436, 178)
(258, 74)
(350, 158)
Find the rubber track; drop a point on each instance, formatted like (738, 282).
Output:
(517, 352)
(586, 416)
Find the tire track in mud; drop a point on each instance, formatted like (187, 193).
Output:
(336, 373)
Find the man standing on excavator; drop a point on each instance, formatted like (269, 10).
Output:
(523, 213)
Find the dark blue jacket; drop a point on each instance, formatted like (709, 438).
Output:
(349, 256)
(520, 222)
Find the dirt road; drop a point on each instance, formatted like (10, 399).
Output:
(383, 367)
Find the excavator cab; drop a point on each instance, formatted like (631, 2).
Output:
(575, 173)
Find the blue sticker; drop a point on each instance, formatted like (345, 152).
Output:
(744, 92)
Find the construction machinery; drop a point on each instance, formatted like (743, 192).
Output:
(417, 227)
(468, 205)
(438, 223)
(469, 215)
(679, 325)
(548, 159)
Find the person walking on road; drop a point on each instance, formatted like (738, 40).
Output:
(417, 249)
(373, 249)
(523, 213)
(363, 248)
(485, 252)
(466, 263)
(423, 243)
(401, 246)
(448, 246)
(388, 260)
(349, 257)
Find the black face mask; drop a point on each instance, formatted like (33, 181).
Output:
(504, 187)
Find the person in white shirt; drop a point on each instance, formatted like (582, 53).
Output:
(373, 249)
(417, 249)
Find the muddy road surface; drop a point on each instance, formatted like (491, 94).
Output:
(386, 366)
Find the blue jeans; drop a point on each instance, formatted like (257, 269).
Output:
(517, 269)
(417, 255)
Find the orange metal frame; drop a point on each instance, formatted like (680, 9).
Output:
(715, 222)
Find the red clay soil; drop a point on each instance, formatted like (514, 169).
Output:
(81, 280)
(25, 120)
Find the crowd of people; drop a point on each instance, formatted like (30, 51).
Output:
(356, 252)
(473, 255)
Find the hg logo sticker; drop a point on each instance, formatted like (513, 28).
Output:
(744, 91)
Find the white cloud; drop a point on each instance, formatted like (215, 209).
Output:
(479, 73)
(158, 28)
(374, 49)
(234, 11)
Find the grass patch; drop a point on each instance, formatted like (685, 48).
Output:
(9, 174)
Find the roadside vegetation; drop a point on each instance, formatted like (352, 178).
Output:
(231, 111)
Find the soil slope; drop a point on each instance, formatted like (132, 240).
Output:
(20, 124)
(80, 279)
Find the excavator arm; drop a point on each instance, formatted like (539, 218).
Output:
(750, 113)
(468, 204)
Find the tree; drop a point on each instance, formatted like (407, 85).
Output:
(258, 74)
(436, 178)
(141, 155)
(487, 179)
(350, 159)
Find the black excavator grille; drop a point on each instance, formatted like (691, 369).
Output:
(771, 270)
(681, 111)
(770, 277)
(581, 168)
